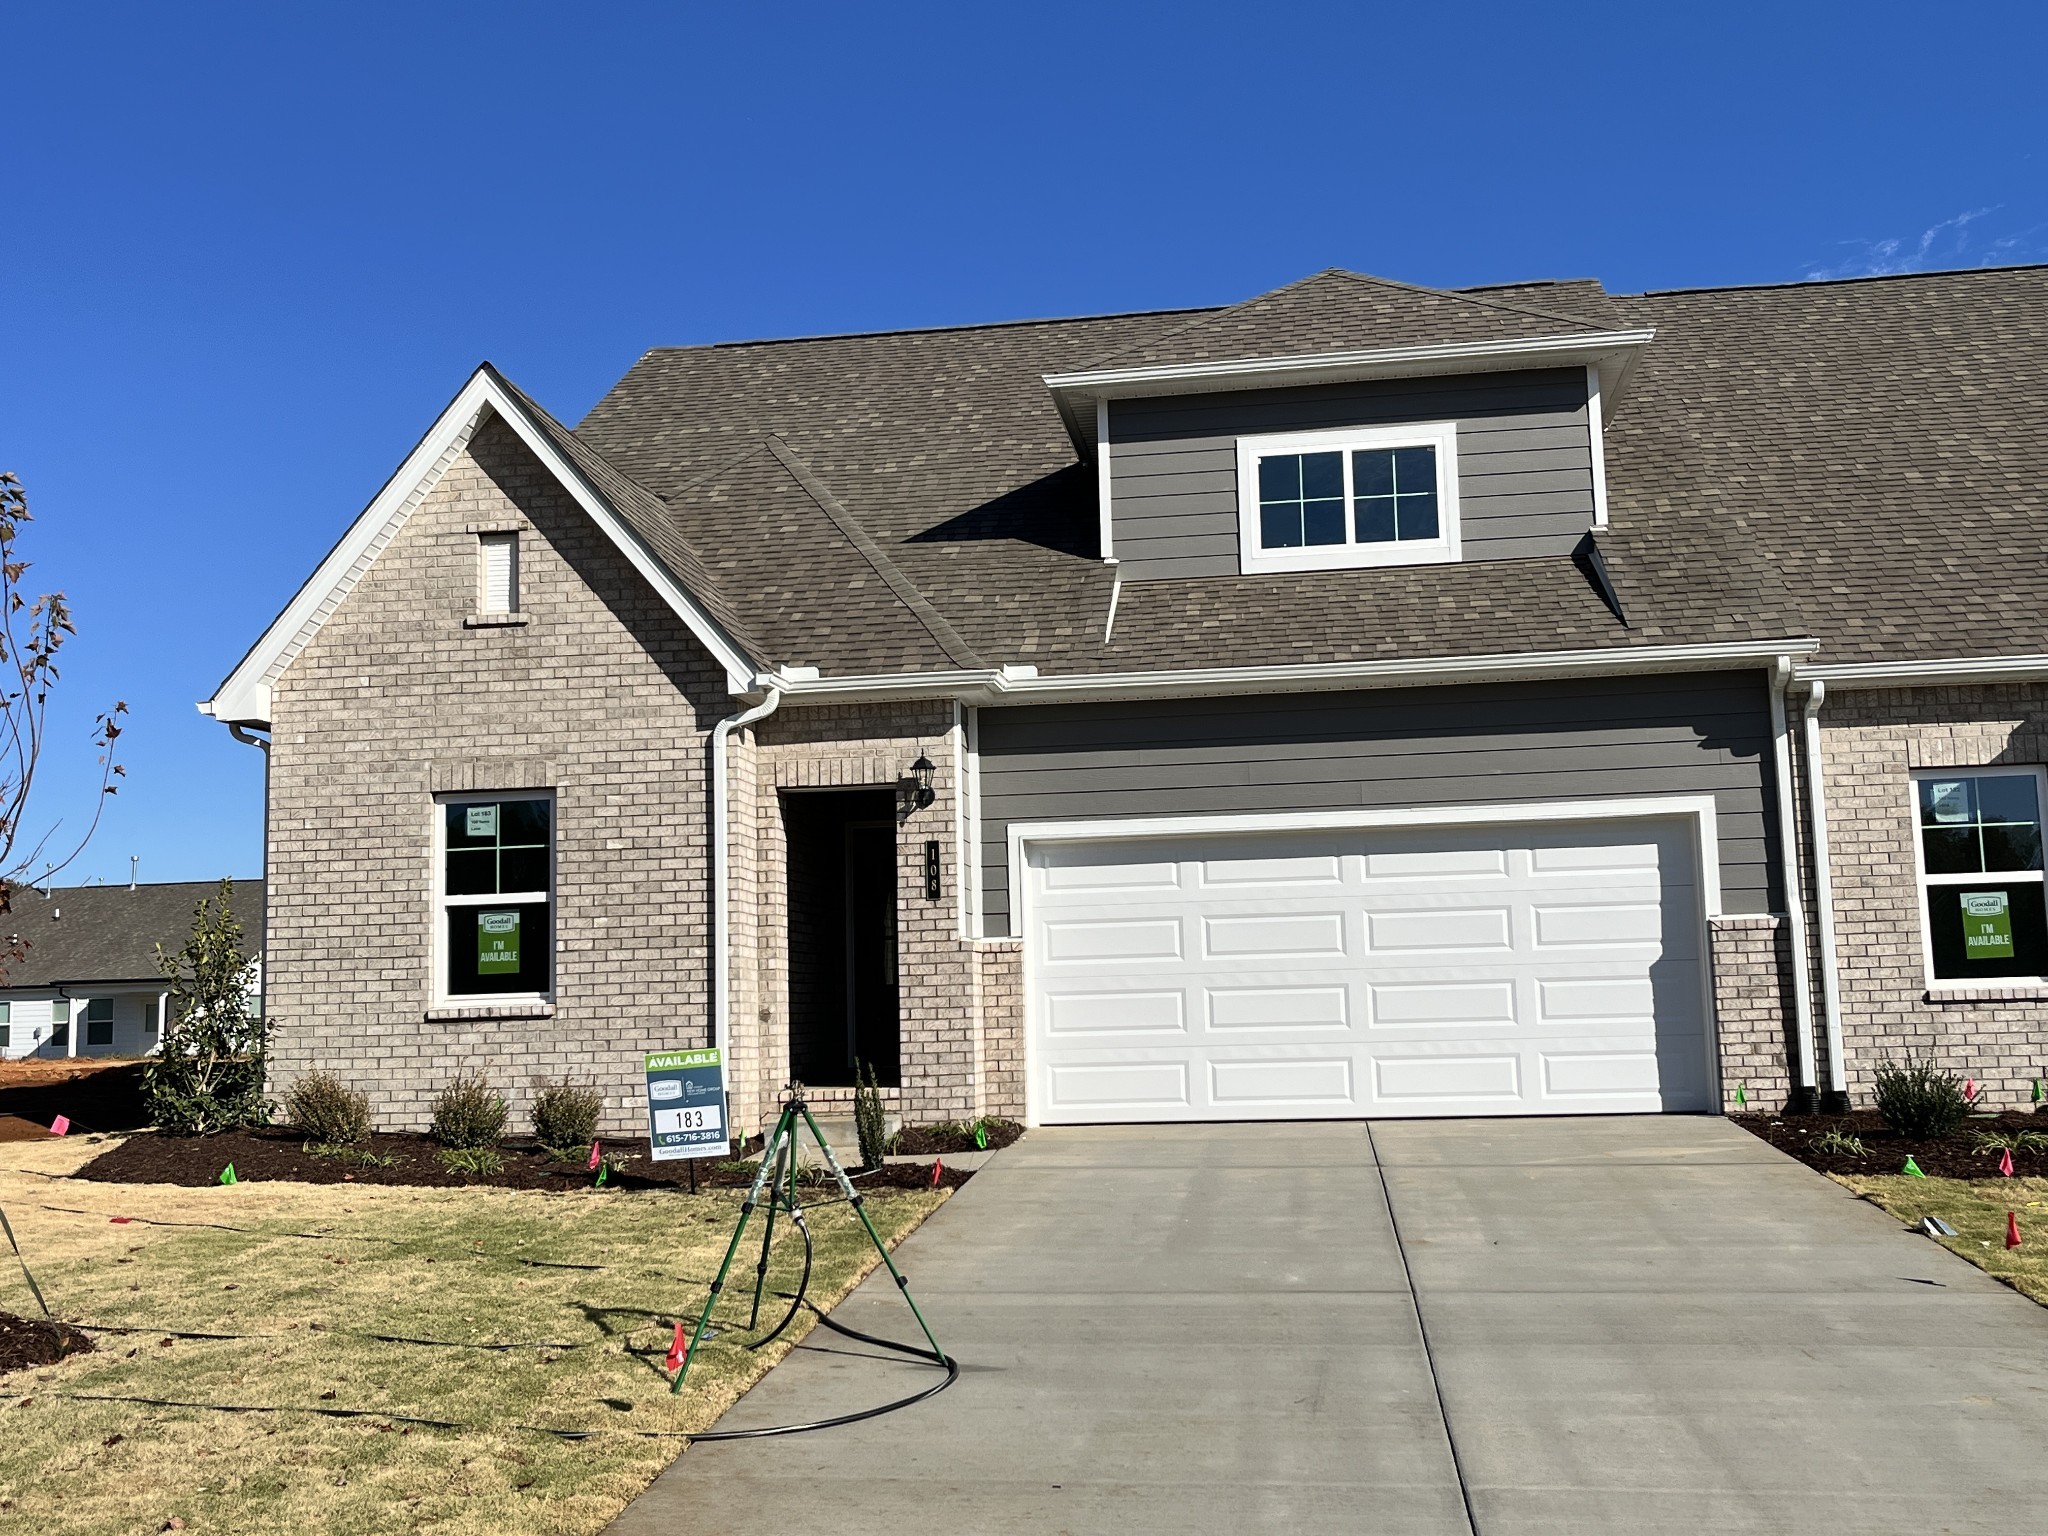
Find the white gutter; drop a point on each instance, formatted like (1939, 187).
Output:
(1824, 896)
(721, 863)
(1795, 896)
(1023, 685)
(1229, 373)
(1916, 674)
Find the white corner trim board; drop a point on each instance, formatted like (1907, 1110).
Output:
(1795, 895)
(1596, 436)
(245, 696)
(1699, 810)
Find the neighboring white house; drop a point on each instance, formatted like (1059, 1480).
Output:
(88, 983)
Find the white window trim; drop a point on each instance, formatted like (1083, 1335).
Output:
(1446, 547)
(1954, 986)
(443, 999)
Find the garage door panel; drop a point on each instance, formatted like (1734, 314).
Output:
(1483, 970)
(1091, 1015)
(1266, 935)
(1443, 1004)
(1450, 926)
(1285, 1007)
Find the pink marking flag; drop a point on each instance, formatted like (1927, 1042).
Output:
(678, 1351)
(1970, 1089)
(938, 1168)
(2005, 1162)
(120, 1221)
(595, 1159)
(2012, 1229)
(60, 1125)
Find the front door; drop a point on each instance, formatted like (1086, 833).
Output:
(842, 935)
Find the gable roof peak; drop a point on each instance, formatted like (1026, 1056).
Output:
(1339, 310)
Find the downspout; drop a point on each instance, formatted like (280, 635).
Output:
(263, 967)
(1795, 897)
(721, 898)
(1836, 1099)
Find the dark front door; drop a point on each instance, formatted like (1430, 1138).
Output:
(842, 934)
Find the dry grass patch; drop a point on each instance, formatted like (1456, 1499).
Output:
(1976, 1209)
(310, 1270)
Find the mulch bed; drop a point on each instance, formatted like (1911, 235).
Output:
(279, 1154)
(1954, 1156)
(927, 1140)
(26, 1342)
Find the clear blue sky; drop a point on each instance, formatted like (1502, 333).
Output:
(251, 250)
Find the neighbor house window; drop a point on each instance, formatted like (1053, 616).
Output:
(6, 1025)
(497, 896)
(1354, 497)
(498, 579)
(1980, 874)
(99, 1021)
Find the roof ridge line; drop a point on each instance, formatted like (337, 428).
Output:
(957, 650)
(933, 330)
(1201, 315)
(1456, 293)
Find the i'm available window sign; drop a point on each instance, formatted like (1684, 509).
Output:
(686, 1105)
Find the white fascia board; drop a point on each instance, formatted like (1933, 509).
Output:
(244, 698)
(1607, 350)
(1698, 809)
(998, 686)
(1924, 674)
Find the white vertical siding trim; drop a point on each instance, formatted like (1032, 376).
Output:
(1596, 436)
(970, 818)
(1102, 477)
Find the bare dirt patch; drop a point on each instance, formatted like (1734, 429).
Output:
(101, 1094)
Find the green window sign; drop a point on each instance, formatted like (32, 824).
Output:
(1987, 925)
(497, 943)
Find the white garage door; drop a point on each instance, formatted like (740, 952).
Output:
(1499, 970)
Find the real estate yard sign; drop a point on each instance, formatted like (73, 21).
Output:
(1987, 925)
(686, 1105)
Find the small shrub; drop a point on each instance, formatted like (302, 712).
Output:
(870, 1120)
(565, 1116)
(481, 1161)
(470, 1113)
(1919, 1098)
(327, 1112)
(2010, 1141)
(1840, 1144)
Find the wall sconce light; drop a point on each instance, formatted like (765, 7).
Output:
(921, 773)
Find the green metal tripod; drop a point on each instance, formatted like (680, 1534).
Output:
(778, 1154)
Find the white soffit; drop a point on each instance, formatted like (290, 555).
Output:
(244, 698)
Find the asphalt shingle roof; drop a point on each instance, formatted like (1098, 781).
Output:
(1853, 460)
(109, 933)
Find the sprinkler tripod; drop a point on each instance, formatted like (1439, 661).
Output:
(777, 1178)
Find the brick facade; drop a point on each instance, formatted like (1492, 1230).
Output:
(397, 698)
(1870, 743)
(1752, 965)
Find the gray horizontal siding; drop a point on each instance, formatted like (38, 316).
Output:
(1690, 733)
(1525, 462)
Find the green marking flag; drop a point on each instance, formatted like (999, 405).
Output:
(227, 1175)
(1912, 1169)
(1741, 1096)
(2037, 1090)
(604, 1171)
(981, 1134)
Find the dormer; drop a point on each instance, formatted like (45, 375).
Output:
(1348, 422)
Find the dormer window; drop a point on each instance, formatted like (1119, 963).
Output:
(1355, 496)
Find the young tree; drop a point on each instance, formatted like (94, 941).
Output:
(31, 634)
(208, 1073)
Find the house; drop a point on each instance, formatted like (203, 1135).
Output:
(82, 979)
(1363, 699)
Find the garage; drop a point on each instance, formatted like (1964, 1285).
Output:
(1536, 967)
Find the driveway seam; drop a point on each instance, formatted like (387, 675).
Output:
(1422, 1327)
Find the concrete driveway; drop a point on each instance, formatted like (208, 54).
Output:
(1627, 1325)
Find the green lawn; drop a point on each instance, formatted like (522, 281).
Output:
(1976, 1209)
(433, 1264)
